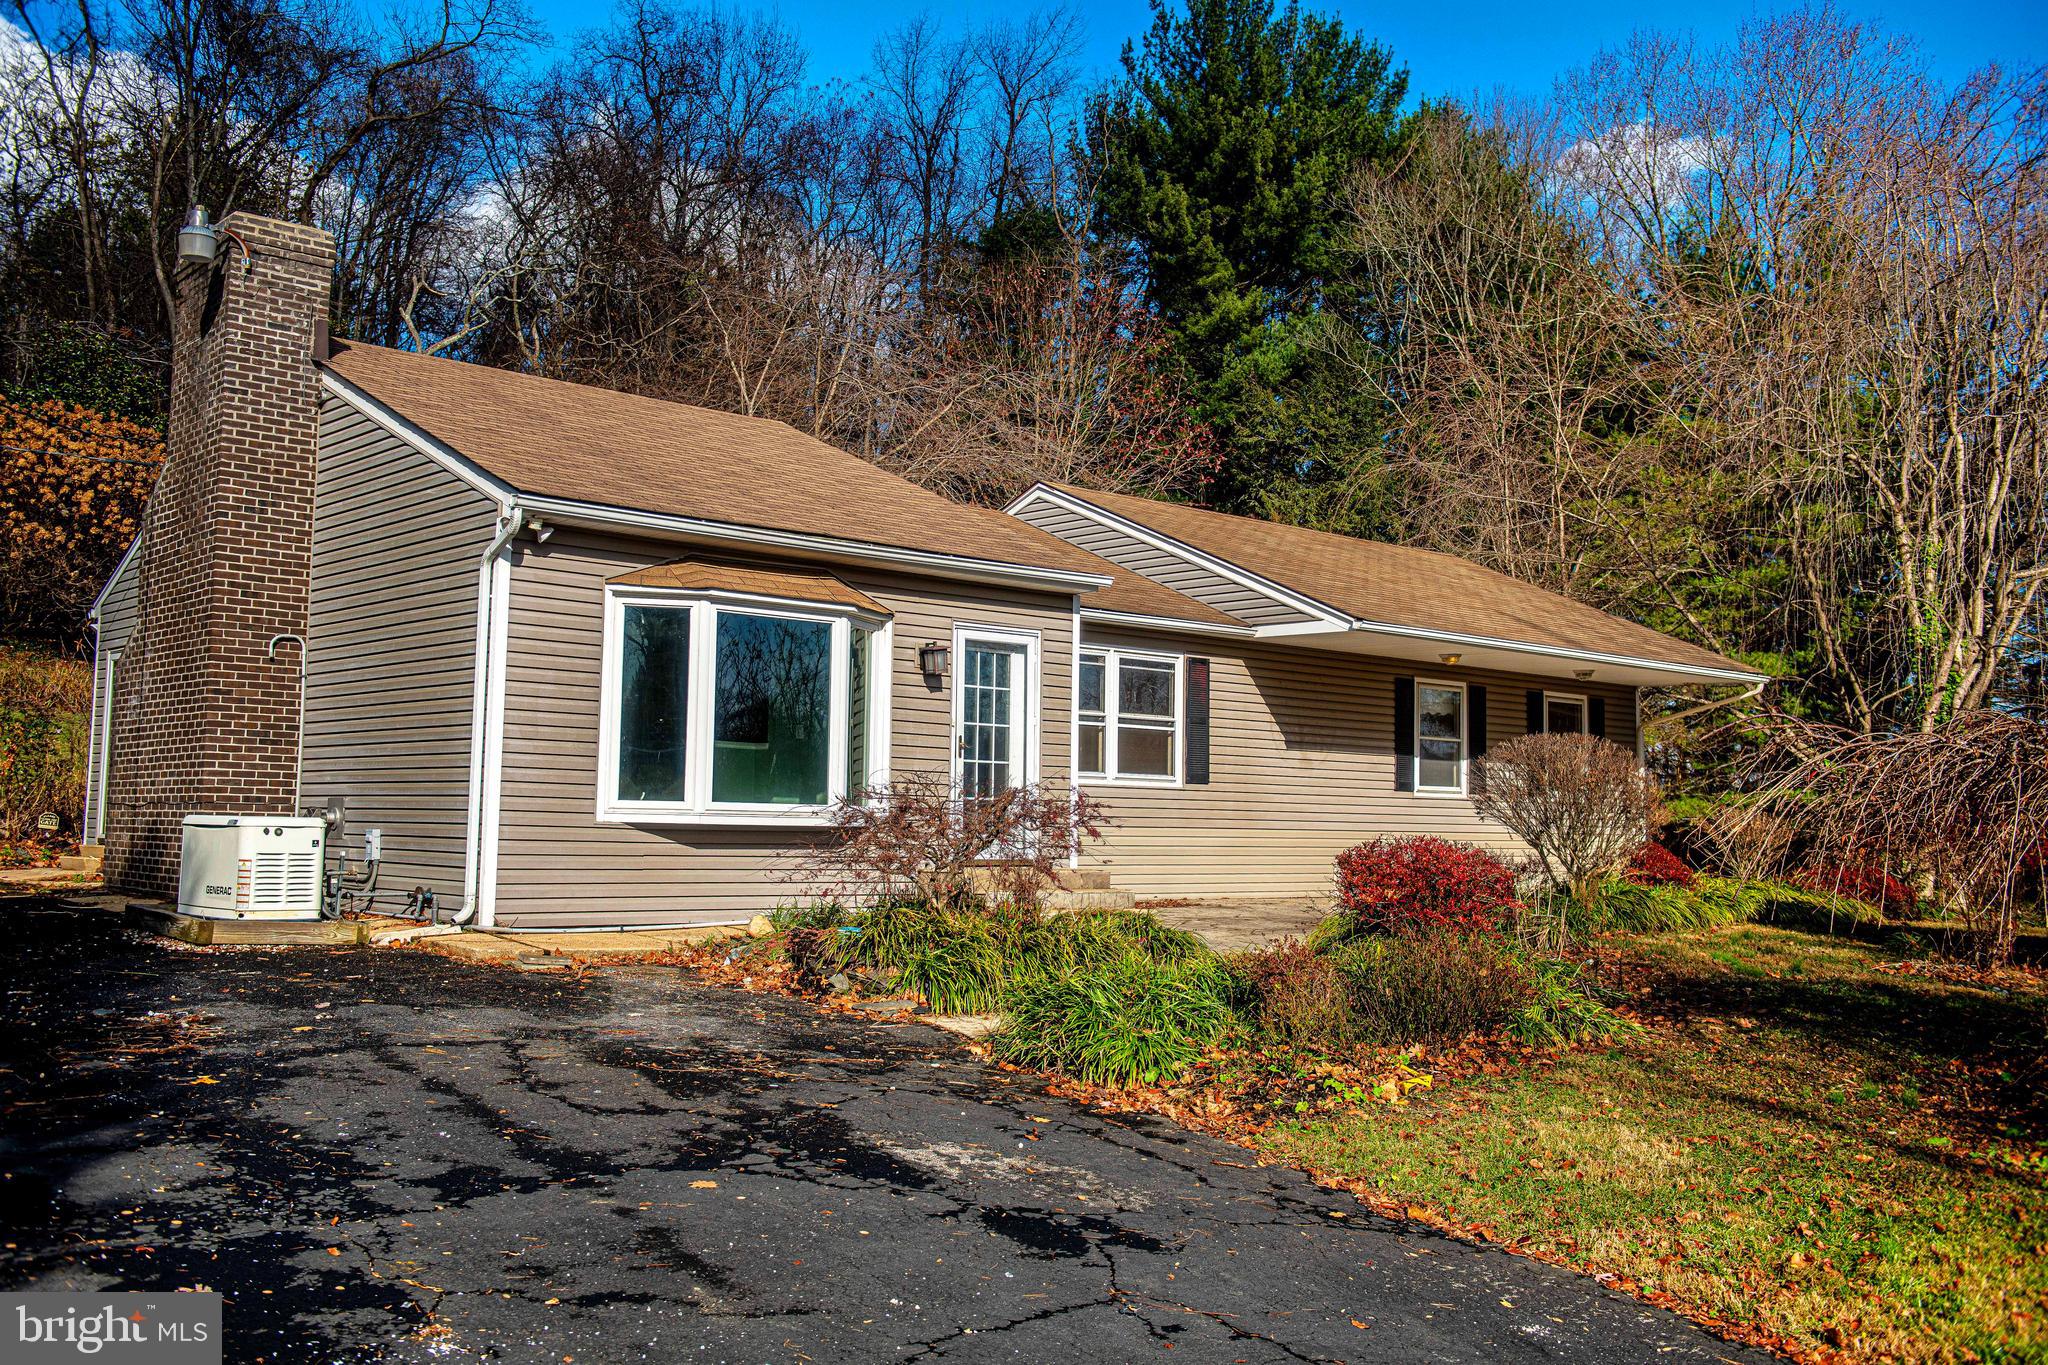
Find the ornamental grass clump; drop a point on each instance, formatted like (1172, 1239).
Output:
(1134, 1020)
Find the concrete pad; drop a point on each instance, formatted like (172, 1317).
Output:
(470, 947)
(1232, 924)
(621, 943)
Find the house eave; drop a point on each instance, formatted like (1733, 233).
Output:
(1099, 617)
(598, 516)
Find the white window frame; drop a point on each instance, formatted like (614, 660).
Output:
(1112, 664)
(1028, 712)
(697, 807)
(1578, 699)
(1464, 736)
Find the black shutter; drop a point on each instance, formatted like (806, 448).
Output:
(1404, 734)
(1475, 733)
(1198, 722)
(1535, 711)
(1596, 717)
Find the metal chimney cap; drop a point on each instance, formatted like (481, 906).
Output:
(198, 243)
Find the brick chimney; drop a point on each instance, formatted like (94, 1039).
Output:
(206, 712)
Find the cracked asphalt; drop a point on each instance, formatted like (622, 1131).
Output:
(385, 1155)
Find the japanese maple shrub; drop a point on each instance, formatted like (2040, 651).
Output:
(1421, 884)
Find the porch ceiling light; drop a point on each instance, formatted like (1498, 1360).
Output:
(934, 660)
(1451, 659)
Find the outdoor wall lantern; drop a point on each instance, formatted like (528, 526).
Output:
(934, 659)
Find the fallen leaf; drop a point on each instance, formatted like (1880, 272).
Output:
(703, 1184)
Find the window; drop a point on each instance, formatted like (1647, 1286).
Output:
(1563, 714)
(1439, 737)
(1128, 708)
(717, 711)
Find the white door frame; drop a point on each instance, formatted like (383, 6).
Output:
(1025, 706)
(106, 743)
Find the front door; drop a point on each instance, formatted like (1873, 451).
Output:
(989, 724)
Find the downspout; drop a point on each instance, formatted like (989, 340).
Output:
(511, 519)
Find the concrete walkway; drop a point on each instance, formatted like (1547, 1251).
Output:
(1231, 925)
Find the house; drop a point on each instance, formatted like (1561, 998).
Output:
(589, 659)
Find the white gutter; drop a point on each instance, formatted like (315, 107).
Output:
(485, 700)
(564, 510)
(1559, 652)
(1101, 617)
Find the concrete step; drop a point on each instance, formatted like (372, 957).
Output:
(86, 861)
(1106, 898)
(986, 877)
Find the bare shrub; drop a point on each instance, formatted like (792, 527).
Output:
(1582, 804)
(1746, 841)
(1962, 805)
(915, 838)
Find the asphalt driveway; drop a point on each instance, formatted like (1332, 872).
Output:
(384, 1155)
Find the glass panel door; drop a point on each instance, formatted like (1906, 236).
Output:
(991, 717)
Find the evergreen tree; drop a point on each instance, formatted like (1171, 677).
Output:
(1223, 158)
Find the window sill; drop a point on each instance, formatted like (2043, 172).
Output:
(1154, 783)
(1440, 793)
(803, 817)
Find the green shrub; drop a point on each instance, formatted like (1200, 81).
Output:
(1132, 1020)
(1561, 1009)
(1433, 986)
(1295, 997)
(959, 961)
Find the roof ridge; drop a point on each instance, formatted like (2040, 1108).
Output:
(350, 343)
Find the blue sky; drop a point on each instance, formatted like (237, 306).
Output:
(1449, 48)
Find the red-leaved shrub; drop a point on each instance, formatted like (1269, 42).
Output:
(1871, 885)
(1422, 884)
(1656, 865)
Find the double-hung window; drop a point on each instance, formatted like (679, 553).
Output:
(719, 709)
(1564, 714)
(1128, 705)
(1439, 737)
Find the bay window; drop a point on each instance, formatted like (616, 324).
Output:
(737, 712)
(1128, 708)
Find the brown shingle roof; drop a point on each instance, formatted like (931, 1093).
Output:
(551, 438)
(1402, 586)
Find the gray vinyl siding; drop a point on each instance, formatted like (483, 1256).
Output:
(1301, 759)
(390, 663)
(117, 617)
(1162, 566)
(559, 866)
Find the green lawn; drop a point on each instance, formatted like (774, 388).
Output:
(1808, 1139)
